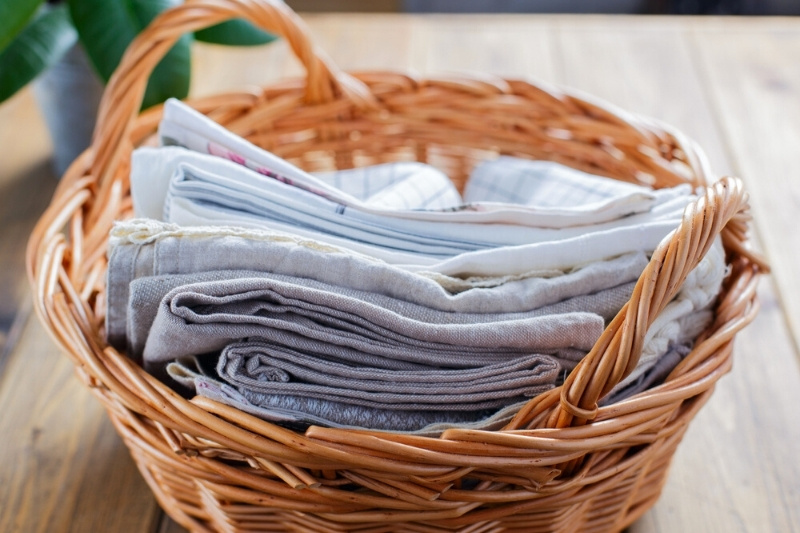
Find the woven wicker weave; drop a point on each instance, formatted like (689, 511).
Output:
(561, 465)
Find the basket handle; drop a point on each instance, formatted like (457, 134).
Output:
(123, 95)
(723, 209)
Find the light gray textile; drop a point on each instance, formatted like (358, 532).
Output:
(654, 376)
(301, 412)
(140, 249)
(255, 189)
(147, 293)
(260, 367)
(152, 169)
(205, 317)
(562, 251)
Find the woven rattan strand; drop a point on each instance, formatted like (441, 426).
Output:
(562, 464)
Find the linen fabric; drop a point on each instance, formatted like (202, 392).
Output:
(148, 248)
(301, 412)
(206, 189)
(493, 262)
(522, 195)
(147, 293)
(205, 317)
(258, 366)
(142, 248)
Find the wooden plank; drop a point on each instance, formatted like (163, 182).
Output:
(753, 78)
(64, 469)
(643, 66)
(737, 468)
(350, 42)
(724, 477)
(434, 44)
(27, 143)
(502, 45)
(348, 6)
(26, 185)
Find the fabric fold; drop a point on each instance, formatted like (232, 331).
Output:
(147, 294)
(258, 366)
(300, 412)
(204, 189)
(521, 195)
(204, 317)
(141, 249)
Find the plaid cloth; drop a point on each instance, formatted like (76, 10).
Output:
(507, 190)
(205, 189)
(551, 186)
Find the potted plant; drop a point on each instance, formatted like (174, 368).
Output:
(78, 44)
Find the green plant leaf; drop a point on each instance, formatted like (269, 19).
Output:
(107, 27)
(14, 14)
(236, 32)
(42, 43)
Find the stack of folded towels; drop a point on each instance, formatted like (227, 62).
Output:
(379, 297)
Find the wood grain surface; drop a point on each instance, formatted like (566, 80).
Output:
(731, 84)
(26, 184)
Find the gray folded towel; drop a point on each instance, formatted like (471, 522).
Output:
(303, 411)
(299, 412)
(284, 381)
(205, 317)
(257, 367)
(147, 293)
(141, 249)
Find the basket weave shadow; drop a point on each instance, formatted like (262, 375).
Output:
(562, 464)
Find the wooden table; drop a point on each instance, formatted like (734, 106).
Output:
(732, 84)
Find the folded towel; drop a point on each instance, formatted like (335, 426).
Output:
(204, 317)
(204, 189)
(428, 196)
(259, 366)
(301, 412)
(147, 293)
(140, 249)
(560, 253)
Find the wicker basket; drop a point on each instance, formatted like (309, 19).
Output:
(562, 464)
